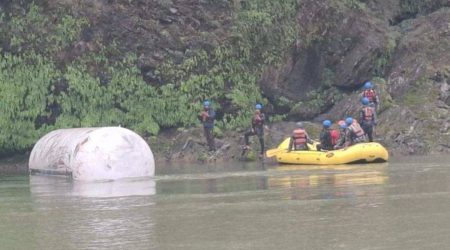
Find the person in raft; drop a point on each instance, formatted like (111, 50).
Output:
(353, 134)
(342, 130)
(371, 95)
(207, 117)
(368, 118)
(325, 136)
(257, 129)
(299, 139)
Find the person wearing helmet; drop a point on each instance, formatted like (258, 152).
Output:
(335, 135)
(325, 137)
(342, 135)
(354, 133)
(207, 117)
(367, 118)
(257, 129)
(299, 139)
(370, 94)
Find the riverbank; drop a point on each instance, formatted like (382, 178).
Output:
(14, 165)
(315, 72)
(188, 146)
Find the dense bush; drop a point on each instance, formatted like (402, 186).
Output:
(40, 92)
(25, 92)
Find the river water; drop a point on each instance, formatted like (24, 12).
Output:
(404, 204)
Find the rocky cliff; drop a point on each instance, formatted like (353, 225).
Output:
(402, 46)
(307, 58)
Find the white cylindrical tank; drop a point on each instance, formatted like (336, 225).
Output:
(105, 153)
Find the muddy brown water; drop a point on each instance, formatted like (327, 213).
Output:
(403, 204)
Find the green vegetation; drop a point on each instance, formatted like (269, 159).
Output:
(41, 91)
(355, 4)
(383, 60)
(413, 7)
(57, 70)
(419, 93)
(24, 89)
(38, 32)
(263, 31)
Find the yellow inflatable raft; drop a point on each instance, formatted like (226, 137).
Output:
(359, 153)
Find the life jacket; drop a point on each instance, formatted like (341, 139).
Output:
(368, 113)
(370, 94)
(357, 130)
(257, 120)
(335, 134)
(299, 137)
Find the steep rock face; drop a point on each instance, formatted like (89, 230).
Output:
(156, 31)
(418, 81)
(340, 49)
(423, 48)
(402, 46)
(413, 115)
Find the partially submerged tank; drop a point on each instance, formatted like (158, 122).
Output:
(104, 153)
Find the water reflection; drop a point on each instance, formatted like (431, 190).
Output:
(357, 175)
(93, 215)
(327, 182)
(376, 206)
(48, 185)
(289, 181)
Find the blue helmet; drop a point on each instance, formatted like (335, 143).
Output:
(326, 123)
(258, 106)
(349, 121)
(206, 103)
(365, 100)
(368, 85)
(342, 124)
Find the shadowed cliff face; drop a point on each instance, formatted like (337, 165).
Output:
(405, 52)
(345, 48)
(414, 91)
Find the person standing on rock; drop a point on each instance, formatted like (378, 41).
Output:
(299, 139)
(371, 95)
(257, 129)
(367, 118)
(207, 117)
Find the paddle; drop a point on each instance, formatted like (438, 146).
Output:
(274, 152)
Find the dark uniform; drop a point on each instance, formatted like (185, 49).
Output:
(326, 142)
(257, 129)
(342, 138)
(368, 120)
(207, 118)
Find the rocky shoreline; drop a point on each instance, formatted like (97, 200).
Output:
(188, 146)
(401, 46)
